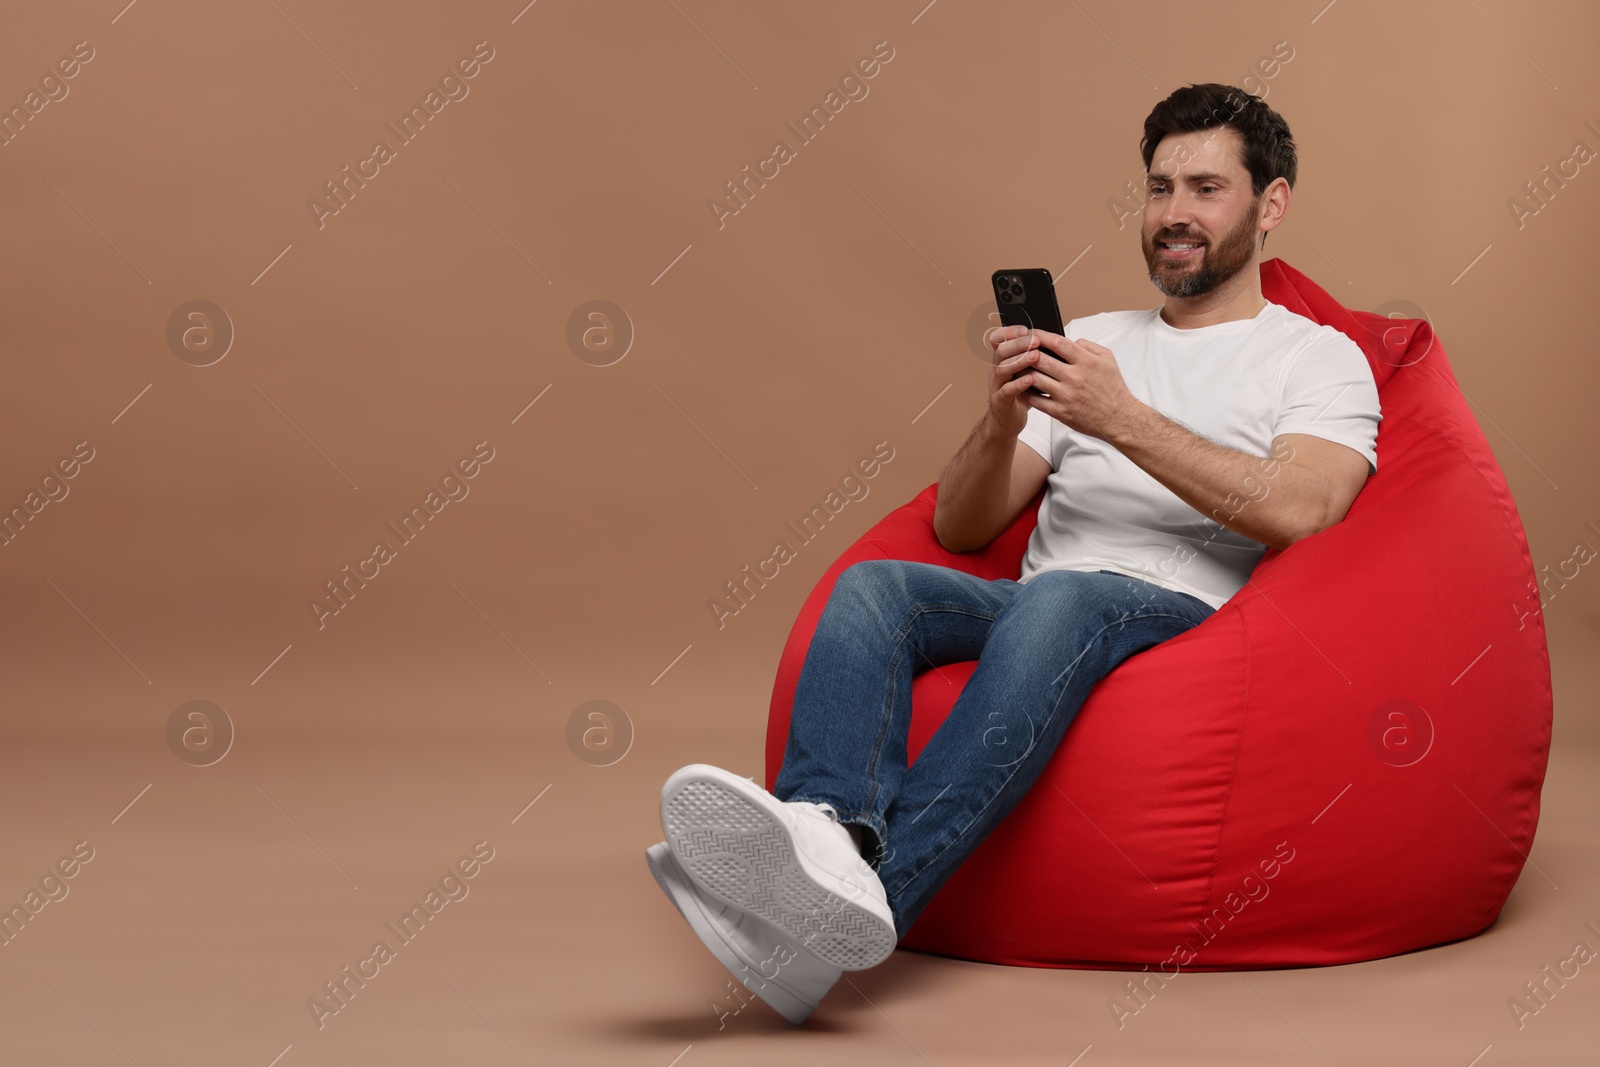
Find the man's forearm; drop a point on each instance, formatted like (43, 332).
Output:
(1265, 499)
(974, 487)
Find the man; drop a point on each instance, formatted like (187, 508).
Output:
(1177, 444)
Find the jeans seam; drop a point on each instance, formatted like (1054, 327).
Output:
(885, 720)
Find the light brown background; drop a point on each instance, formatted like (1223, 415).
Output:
(771, 354)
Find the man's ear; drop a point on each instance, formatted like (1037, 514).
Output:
(1275, 203)
(1274, 206)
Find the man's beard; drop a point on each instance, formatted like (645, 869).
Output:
(1220, 262)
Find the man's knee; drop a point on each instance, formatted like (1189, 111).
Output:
(871, 578)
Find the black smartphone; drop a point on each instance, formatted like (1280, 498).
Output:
(1028, 298)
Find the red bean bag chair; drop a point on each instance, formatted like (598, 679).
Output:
(1342, 763)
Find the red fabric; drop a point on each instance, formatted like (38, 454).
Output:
(1207, 759)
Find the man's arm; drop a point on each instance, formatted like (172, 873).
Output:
(985, 486)
(1306, 485)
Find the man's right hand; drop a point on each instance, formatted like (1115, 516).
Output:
(994, 475)
(1008, 404)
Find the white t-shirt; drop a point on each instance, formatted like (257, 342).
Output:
(1240, 384)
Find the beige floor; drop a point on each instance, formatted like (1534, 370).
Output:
(219, 903)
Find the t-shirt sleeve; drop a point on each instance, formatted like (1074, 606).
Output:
(1036, 434)
(1329, 393)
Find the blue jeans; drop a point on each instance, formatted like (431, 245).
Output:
(1040, 648)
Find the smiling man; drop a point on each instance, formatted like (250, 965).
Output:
(1176, 444)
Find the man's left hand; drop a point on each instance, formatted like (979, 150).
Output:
(1085, 384)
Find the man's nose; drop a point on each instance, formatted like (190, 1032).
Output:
(1176, 210)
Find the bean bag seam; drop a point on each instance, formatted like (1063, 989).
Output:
(1233, 776)
(1502, 496)
(1511, 523)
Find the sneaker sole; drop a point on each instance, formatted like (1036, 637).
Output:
(740, 852)
(793, 1007)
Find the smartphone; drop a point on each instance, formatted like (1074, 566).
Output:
(1028, 298)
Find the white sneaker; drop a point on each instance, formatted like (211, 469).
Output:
(791, 864)
(769, 963)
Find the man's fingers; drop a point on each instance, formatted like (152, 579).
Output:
(1057, 346)
(996, 334)
(1000, 336)
(1021, 384)
(1022, 342)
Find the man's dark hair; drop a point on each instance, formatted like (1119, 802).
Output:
(1268, 147)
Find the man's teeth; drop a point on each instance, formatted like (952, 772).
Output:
(1174, 244)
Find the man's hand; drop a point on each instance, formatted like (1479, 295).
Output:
(994, 475)
(1008, 400)
(1088, 394)
(1084, 385)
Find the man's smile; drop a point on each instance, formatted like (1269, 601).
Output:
(1179, 249)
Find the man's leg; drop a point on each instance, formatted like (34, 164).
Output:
(885, 622)
(1060, 634)
(778, 891)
